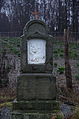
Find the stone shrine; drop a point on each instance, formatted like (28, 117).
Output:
(36, 85)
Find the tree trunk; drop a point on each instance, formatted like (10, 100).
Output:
(67, 64)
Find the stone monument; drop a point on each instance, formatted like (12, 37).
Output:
(36, 85)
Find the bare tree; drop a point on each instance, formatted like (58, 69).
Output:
(67, 64)
(4, 69)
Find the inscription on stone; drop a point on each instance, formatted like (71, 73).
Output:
(36, 51)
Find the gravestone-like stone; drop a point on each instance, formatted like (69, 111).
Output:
(36, 85)
(36, 49)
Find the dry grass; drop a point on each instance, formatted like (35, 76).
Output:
(76, 113)
(70, 96)
(7, 94)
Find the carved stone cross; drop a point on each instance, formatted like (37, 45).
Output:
(36, 14)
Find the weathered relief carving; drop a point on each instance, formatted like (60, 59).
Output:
(36, 51)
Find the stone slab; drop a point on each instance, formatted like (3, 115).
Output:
(16, 115)
(36, 106)
(36, 86)
(21, 115)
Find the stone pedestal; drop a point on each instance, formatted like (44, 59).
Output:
(36, 86)
(22, 115)
(36, 94)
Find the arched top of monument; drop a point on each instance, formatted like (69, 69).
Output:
(35, 26)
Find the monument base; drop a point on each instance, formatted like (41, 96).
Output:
(36, 86)
(56, 114)
(20, 115)
(36, 96)
(35, 109)
(36, 106)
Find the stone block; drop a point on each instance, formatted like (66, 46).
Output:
(36, 87)
(36, 105)
(22, 115)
